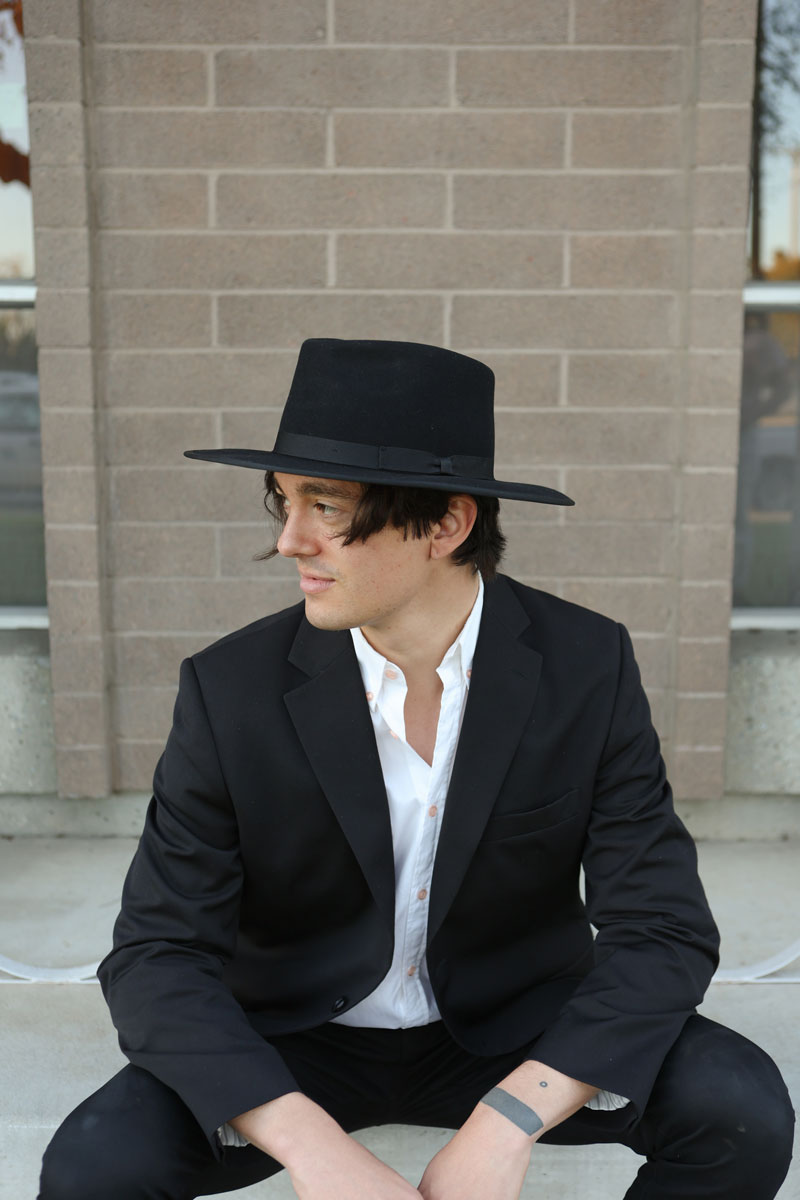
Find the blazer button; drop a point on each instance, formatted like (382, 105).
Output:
(339, 1005)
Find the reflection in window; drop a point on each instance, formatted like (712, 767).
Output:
(22, 578)
(767, 561)
(16, 222)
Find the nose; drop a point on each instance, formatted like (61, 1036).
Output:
(295, 539)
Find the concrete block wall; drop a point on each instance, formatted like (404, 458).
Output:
(559, 188)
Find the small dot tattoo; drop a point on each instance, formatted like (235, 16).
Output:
(542, 1084)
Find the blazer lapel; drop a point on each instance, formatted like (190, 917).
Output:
(505, 678)
(333, 723)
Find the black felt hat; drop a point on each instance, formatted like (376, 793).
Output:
(388, 412)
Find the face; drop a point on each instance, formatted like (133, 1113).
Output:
(379, 584)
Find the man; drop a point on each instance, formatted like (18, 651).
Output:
(356, 899)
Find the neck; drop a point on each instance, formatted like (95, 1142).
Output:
(418, 641)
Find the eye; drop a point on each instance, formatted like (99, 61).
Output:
(327, 510)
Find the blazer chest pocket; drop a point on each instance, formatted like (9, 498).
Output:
(518, 824)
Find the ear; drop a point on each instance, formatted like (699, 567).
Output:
(454, 527)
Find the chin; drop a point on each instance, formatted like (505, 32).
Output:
(325, 620)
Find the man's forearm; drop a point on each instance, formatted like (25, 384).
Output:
(551, 1095)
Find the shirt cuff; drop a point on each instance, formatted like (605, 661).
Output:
(606, 1102)
(228, 1136)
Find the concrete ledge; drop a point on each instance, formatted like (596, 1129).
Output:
(119, 815)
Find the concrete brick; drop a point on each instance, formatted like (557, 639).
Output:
(211, 261)
(134, 765)
(65, 378)
(76, 664)
(699, 720)
(329, 201)
(53, 72)
(629, 139)
(62, 258)
(195, 492)
(631, 22)
(726, 73)
(592, 549)
(160, 551)
(171, 21)
(524, 380)
(568, 437)
(150, 438)
(711, 439)
(57, 135)
(68, 437)
(638, 494)
(79, 720)
(238, 544)
(213, 606)
(207, 140)
(52, 19)
(152, 660)
(83, 771)
(638, 380)
(606, 202)
(714, 379)
(249, 427)
(70, 494)
(451, 139)
(698, 774)
(328, 77)
(149, 78)
(720, 199)
(716, 320)
(626, 261)
(450, 21)
(704, 611)
(653, 656)
(568, 77)
(205, 378)
(72, 554)
(624, 322)
(74, 609)
(708, 496)
(702, 665)
(722, 136)
(143, 713)
(643, 605)
(156, 320)
(728, 19)
(134, 200)
(282, 322)
(62, 317)
(719, 260)
(706, 552)
(59, 197)
(460, 260)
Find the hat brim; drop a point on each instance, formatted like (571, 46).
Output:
(268, 460)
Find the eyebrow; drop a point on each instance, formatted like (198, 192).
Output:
(322, 487)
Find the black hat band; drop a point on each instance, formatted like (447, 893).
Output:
(381, 458)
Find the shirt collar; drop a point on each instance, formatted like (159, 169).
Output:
(457, 660)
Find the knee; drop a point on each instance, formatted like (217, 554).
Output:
(79, 1164)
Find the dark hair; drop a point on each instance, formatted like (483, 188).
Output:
(415, 511)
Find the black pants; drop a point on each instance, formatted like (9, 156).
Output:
(718, 1124)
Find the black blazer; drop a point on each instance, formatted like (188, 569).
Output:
(261, 898)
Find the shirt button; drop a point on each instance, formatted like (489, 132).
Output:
(394, 735)
(412, 970)
(422, 893)
(390, 674)
(469, 673)
(370, 696)
(339, 1005)
(432, 811)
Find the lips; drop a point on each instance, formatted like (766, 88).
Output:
(312, 585)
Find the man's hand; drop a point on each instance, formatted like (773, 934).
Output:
(324, 1163)
(485, 1160)
(489, 1155)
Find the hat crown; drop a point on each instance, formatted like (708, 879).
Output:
(398, 394)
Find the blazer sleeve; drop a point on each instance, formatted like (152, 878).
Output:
(656, 946)
(162, 980)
